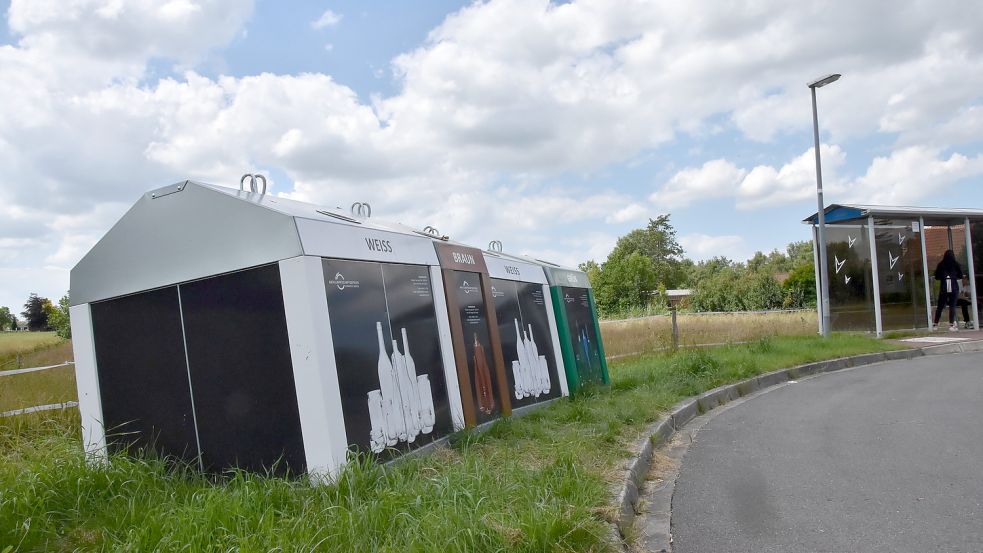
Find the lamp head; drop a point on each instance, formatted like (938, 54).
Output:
(824, 81)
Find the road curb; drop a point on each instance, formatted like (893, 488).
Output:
(658, 435)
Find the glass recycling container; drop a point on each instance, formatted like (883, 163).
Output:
(475, 333)
(528, 330)
(577, 323)
(233, 329)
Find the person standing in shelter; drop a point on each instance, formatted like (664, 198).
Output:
(948, 273)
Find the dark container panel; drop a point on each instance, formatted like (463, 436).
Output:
(241, 372)
(143, 376)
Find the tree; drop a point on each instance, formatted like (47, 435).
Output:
(624, 283)
(59, 319)
(35, 313)
(657, 241)
(7, 320)
(800, 287)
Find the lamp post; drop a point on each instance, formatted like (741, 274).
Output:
(823, 269)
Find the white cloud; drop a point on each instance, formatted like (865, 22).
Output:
(327, 19)
(715, 179)
(913, 175)
(795, 181)
(704, 246)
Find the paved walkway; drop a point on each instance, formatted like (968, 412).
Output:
(887, 458)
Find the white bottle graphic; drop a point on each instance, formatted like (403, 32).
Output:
(402, 408)
(413, 390)
(394, 427)
(427, 416)
(377, 436)
(541, 367)
(521, 377)
(531, 387)
(403, 397)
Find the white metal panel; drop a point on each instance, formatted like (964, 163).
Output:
(322, 420)
(513, 269)
(180, 234)
(561, 372)
(87, 382)
(447, 349)
(364, 243)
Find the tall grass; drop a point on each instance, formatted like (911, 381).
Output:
(31, 347)
(536, 483)
(650, 334)
(37, 388)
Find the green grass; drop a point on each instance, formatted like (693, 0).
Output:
(37, 388)
(542, 482)
(25, 344)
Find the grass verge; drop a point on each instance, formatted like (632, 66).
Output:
(537, 483)
(35, 349)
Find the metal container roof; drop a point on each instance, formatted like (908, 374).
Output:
(836, 213)
(191, 230)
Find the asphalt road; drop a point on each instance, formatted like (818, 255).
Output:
(881, 458)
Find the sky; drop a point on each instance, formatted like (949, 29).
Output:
(554, 127)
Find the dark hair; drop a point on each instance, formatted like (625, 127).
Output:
(949, 258)
(949, 265)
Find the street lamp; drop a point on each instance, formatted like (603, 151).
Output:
(823, 270)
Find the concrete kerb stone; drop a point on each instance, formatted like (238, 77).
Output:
(659, 434)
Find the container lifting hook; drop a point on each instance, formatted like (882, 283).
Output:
(495, 246)
(361, 209)
(252, 183)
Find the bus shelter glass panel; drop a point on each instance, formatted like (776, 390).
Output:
(938, 239)
(851, 299)
(900, 274)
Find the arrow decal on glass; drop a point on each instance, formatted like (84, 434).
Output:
(839, 264)
(901, 238)
(900, 277)
(847, 279)
(851, 240)
(892, 259)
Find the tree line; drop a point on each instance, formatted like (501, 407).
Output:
(40, 314)
(648, 261)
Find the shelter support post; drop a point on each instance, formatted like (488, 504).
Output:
(972, 274)
(875, 277)
(927, 281)
(819, 290)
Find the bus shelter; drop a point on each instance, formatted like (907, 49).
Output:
(881, 261)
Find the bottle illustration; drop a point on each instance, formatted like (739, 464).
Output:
(521, 365)
(530, 370)
(542, 367)
(402, 408)
(531, 388)
(404, 386)
(427, 417)
(414, 391)
(387, 385)
(377, 438)
(482, 379)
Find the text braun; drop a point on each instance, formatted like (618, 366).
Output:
(377, 245)
(464, 258)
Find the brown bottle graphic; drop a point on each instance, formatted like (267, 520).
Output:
(482, 379)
